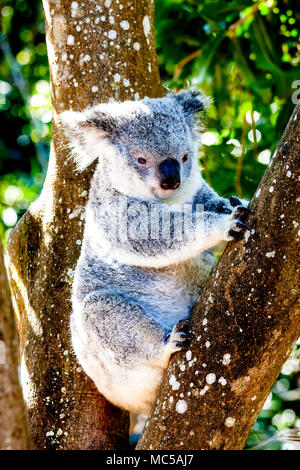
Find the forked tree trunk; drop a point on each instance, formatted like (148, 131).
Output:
(13, 426)
(97, 50)
(245, 323)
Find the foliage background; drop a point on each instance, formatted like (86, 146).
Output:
(245, 54)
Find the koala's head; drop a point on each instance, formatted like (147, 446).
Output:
(146, 149)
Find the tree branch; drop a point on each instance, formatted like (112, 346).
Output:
(244, 324)
(97, 51)
(232, 28)
(13, 430)
(185, 61)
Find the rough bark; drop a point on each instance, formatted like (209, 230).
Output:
(244, 324)
(97, 50)
(13, 429)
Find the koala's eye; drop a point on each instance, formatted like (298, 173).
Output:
(185, 158)
(142, 161)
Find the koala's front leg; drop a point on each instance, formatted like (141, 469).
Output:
(233, 212)
(226, 206)
(191, 234)
(212, 202)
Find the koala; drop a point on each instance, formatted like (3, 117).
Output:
(146, 246)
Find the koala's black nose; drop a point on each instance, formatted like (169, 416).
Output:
(169, 171)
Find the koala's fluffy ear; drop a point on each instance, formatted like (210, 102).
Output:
(192, 102)
(86, 132)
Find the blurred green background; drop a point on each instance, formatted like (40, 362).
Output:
(244, 54)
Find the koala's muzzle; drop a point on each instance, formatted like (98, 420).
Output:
(169, 171)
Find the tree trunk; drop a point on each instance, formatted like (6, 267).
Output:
(97, 50)
(13, 429)
(244, 324)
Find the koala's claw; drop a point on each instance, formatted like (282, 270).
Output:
(182, 344)
(180, 337)
(235, 235)
(237, 226)
(240, 212)
(240, 226)
(234, 201)
(222, 208)
(182, 325)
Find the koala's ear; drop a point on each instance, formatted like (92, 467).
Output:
(192, 101)
(86, 132)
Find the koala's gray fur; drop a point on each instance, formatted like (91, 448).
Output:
(131, 290)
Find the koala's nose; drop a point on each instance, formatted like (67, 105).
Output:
(169, 171)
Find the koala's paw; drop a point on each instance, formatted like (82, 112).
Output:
(237, 226)
(235, 201)
(180, 337)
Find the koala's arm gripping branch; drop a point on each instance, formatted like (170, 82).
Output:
(245, 323)
(185, 236)
(211, 201)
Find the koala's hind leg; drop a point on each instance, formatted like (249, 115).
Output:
(123, 348)
(118, 324)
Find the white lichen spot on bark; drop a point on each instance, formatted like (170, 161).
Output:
(181, 406)
(174, 383)
(222, 381)
(188, 355)
(125, 25)
(112, 34)
(226, 359)
(70, 40)
(146, 25)
(74, 8)
(210, 378)
(229, 422)
(204, 390)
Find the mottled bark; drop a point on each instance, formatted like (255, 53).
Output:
(97, 50)
(13, 428)
(244, 323)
